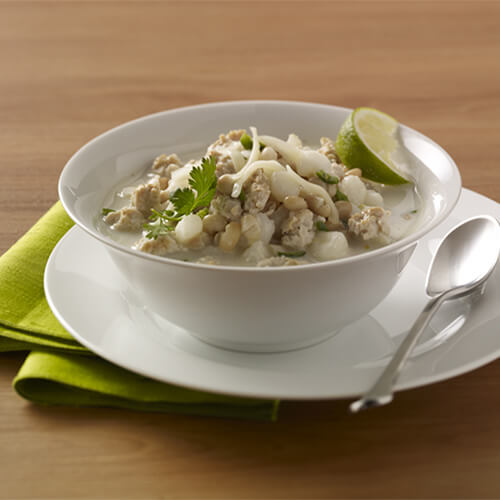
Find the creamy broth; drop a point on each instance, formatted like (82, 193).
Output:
(292, 191)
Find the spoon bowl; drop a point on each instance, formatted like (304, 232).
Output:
(465, 258)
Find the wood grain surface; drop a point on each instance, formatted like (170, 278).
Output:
(71, 70)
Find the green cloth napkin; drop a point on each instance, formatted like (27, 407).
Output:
(24, 313)
(61, 371)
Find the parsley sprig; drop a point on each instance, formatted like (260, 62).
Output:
(194, 199)
(203, 181)
(162, 222)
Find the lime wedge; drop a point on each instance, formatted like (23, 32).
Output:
(367, 140)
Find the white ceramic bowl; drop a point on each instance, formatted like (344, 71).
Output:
(250, 309)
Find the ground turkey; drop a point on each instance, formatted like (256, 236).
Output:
(163, 245)
(125, 219)
(369, 223)
(146, 197)
(223, 160)
(164, 165)
(228, 207)
(257, 193)
(298, 229)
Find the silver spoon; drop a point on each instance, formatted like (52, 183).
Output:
(462, 263)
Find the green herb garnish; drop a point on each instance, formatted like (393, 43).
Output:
(299, 253)
(186, 201)
(203, 181)
(162, 222)
(340, 196)
(202, 213)
(321, 226)
(413, 211)
(107, 211)
(155, 230)
(329, 179)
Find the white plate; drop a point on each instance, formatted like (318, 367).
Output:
(88, 296)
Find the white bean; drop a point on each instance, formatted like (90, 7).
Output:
(230, 237)
(214, 223)
(344, 208)
(318, 206)
(294, 203)
(225, 184)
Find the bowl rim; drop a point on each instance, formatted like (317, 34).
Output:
(372, 254)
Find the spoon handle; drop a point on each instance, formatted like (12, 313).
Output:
(381, 392)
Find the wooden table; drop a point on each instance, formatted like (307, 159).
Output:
(71, 70)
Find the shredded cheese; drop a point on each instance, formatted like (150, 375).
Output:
(305, 162)
(239, 178)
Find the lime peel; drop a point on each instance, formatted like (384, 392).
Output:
(367, 141)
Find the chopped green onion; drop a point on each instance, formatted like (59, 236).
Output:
(246, 141)
(329, 179)
(340, 196)
(107, 211)
(299, 253)
(242, 196)
(321, 226)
